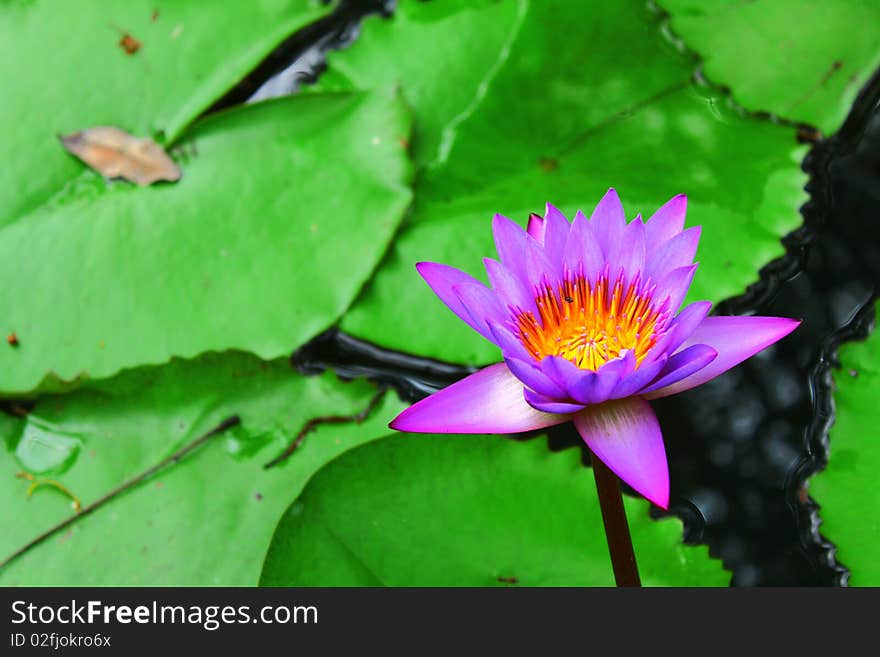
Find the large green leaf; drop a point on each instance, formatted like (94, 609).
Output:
(466, 511)
(284, 210)
(63, 70)
(804, 60)
(847, 489)
(536, 118)
(477, 36)
(206, 520)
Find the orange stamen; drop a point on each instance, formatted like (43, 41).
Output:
(591, 325)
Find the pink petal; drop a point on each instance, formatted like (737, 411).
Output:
(582, 253)
(681, 365)
(520, 253)
(627, 252)
(488, 401)
(535, 227)
(482, 307)
(608, 222)
(562, 371)
(548, 404)
(639, 378)
(677, 252)
(510, 346)
(596, 387)
(666, 223)
(442, 279)
(510, 290)
(512, 244)
(626, 436)
(681, 327)
(556, 229)
(675, 285)
(735, 339)
(532, 377)
(538, 268)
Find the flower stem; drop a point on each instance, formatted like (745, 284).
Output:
(623, 558)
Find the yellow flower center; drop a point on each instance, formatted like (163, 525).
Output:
(590, 325)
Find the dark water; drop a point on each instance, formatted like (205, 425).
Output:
(741, 447)
(299, 59)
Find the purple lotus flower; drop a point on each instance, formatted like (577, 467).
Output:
(586, 315)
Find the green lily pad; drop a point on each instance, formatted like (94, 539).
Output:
(64, 69)
(205, 520)
(803, 60)
(283, 212)
(846, 490)
(538, 118)
(419, 510)
(477, 36)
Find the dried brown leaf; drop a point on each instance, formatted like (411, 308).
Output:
(114, 153)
